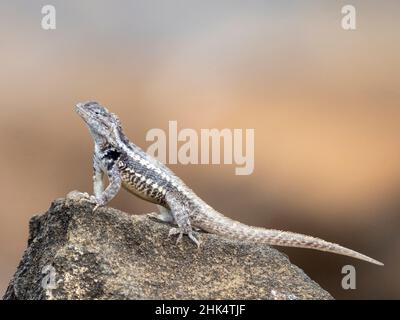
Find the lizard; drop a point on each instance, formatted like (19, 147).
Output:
(127, 165)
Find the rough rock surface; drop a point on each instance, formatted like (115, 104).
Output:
(76, 254)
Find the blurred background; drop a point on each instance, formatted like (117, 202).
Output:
(324, 103)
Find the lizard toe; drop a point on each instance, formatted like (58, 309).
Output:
(176, 231)
(194, 239)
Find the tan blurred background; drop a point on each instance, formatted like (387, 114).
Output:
(324, 104)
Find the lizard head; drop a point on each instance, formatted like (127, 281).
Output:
(102, 123)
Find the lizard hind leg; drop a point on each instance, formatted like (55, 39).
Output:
(181, 217)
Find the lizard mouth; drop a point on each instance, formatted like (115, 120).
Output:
(89, 117)
(80, 110)
(79, 107)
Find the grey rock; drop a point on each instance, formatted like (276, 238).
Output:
(76, 254)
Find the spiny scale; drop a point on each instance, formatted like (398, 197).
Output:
(140, 183)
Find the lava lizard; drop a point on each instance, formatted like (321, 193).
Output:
(129, 166)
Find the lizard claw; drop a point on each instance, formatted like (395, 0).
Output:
(97, 202)
(179, 232)
(194, 239)
(174, 231)
(93, 200)
(96, 207)
(78, 196)
(85, 197)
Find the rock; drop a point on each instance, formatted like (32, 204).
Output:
(76, 254)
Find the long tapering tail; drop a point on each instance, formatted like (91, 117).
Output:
(216, 223)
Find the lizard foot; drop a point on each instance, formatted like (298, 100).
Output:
(77, 196)
(179, 232)
(84, 197)
(194, 239)
(174, 231)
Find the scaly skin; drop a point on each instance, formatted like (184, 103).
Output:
(130, 167)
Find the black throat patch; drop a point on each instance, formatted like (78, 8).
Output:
(111, 156)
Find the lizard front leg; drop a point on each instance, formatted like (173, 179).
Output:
(98, 183)
(180, 212)
(112, 189)
(101, 197)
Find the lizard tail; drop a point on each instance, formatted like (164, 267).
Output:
(216, 223)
